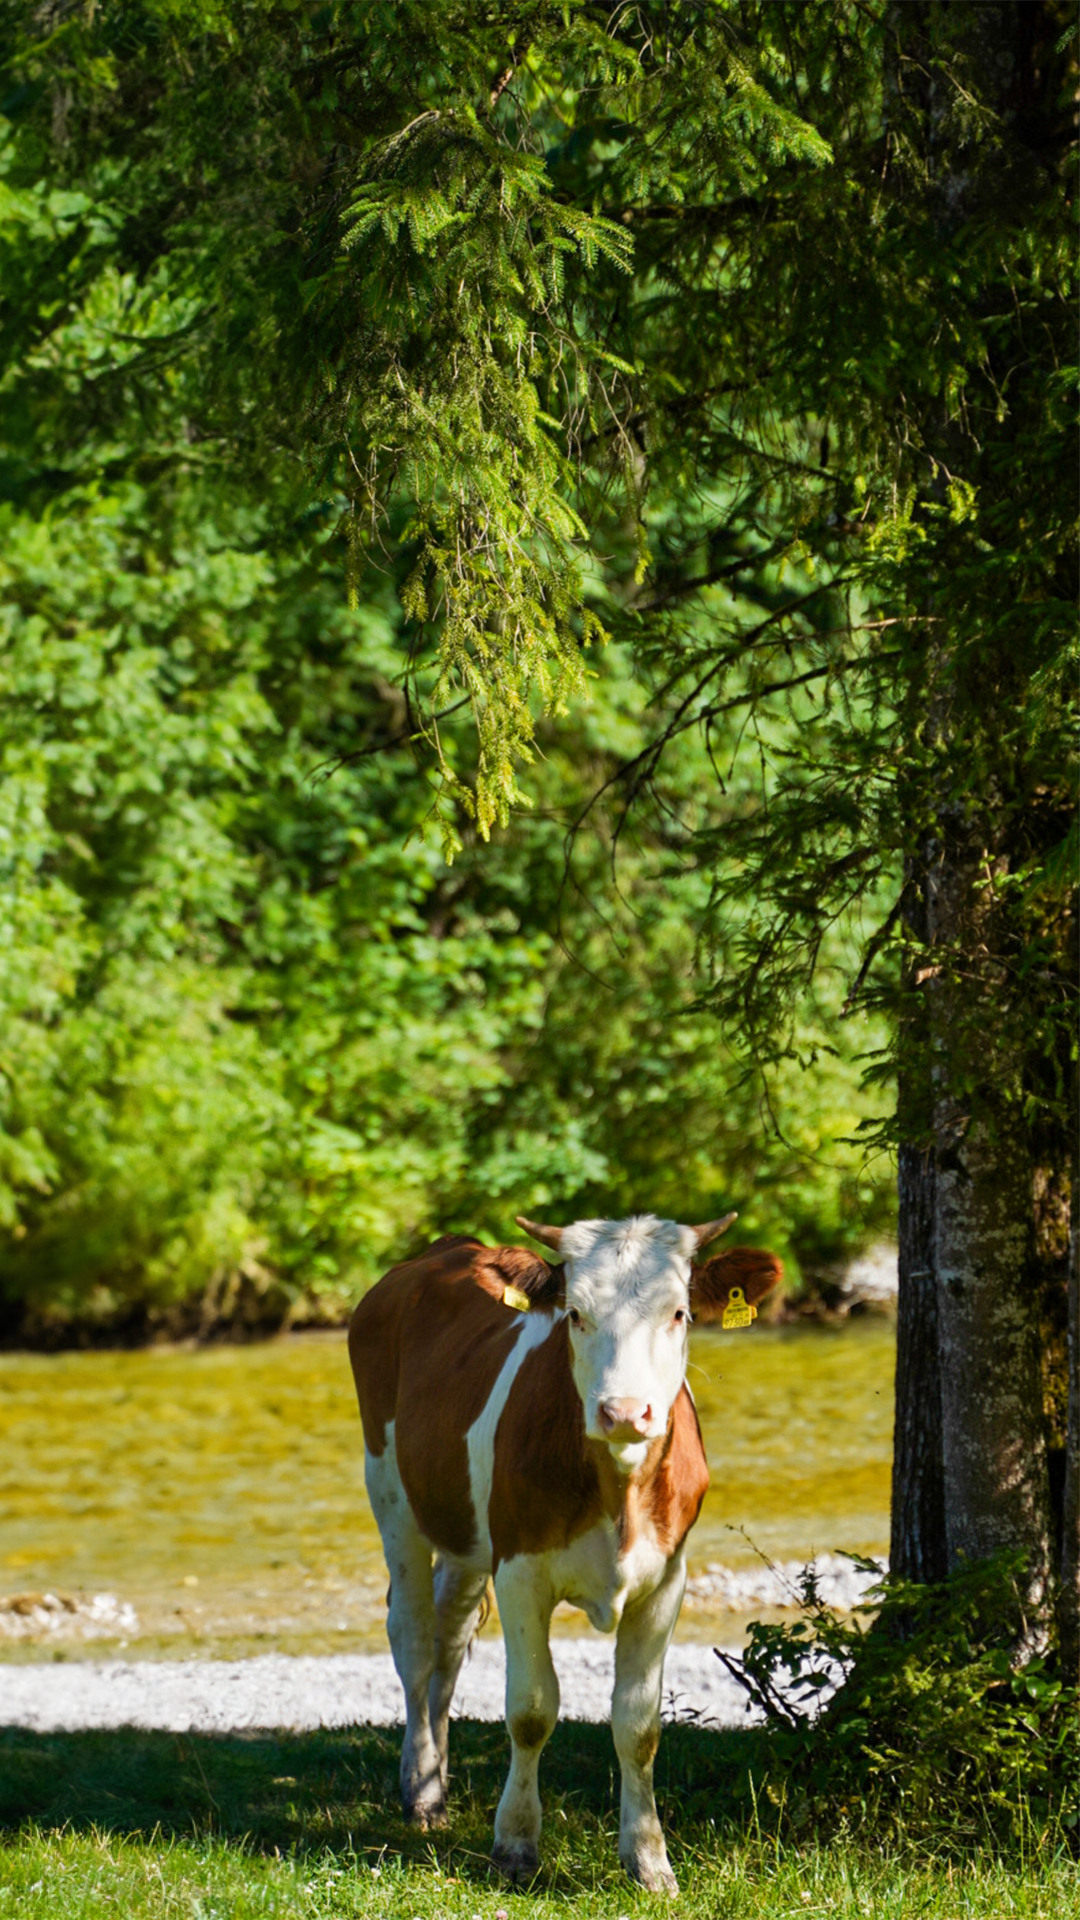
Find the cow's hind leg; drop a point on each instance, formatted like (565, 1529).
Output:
(645, 1632)
(459, 1598)
(532, 1708)
(410, 1623)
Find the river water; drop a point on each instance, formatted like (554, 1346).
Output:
(220, 1491)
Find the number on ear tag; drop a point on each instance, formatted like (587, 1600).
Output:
(513, 1297)
(738, 1312)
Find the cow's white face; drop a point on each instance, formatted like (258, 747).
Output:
(628, 1307)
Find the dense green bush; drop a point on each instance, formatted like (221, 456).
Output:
(946, 1722)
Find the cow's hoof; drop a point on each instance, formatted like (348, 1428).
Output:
(426, 1814)
(517, 1860)
(652, 1872)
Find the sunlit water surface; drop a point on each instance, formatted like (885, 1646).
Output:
(221, 1491)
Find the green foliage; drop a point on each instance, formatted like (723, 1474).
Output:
(943, 1725)
(409, 249)
(432, 380)
(910, 416)
(538, 327)
(462, 329)
(551, 306)
(248, 1031)
(254, 1032)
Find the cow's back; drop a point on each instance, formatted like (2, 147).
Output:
(427, 1345)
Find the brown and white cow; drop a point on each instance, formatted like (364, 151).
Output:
(533, 1423)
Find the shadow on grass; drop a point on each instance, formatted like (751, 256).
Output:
(339, 1790)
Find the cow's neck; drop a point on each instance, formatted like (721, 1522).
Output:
(624, 1491)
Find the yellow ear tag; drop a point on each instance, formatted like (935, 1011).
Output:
(738, 1312)
(513, 1297)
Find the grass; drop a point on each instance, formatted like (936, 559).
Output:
(198, 1827)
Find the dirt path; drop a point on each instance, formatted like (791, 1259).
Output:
(336, 1690)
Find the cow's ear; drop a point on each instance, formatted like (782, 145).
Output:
(525, 1272)
(750, 1268)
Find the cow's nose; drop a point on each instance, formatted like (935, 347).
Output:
(624, 1418)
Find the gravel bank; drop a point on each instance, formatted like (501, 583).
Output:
(337, 1690)
(839, 1582)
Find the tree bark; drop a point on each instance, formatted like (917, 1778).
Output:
(993, 1439)
(997, 1489)
(917, 1548)
(1069, 1589)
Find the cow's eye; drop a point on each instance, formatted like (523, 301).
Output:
(574, 1317)
(680, 1316)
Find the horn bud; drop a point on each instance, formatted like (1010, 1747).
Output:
(548, 1236)
(710, 1231)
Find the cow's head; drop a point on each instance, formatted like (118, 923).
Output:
(629, 1287)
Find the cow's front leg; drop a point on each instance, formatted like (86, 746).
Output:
(644, 1635)
(532, 1708)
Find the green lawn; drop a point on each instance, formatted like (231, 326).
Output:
(307, 1824)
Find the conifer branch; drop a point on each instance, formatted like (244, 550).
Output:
(873, 948)
(384, 746)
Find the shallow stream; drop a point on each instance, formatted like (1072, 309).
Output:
(220, 1491)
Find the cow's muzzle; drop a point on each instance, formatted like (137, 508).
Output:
(621, 1420)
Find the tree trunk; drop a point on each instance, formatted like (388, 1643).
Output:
(997, 1490)
(1069, 1591)
(993, 1438)
(917, 1549)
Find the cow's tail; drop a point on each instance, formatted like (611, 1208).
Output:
(486, 1603)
